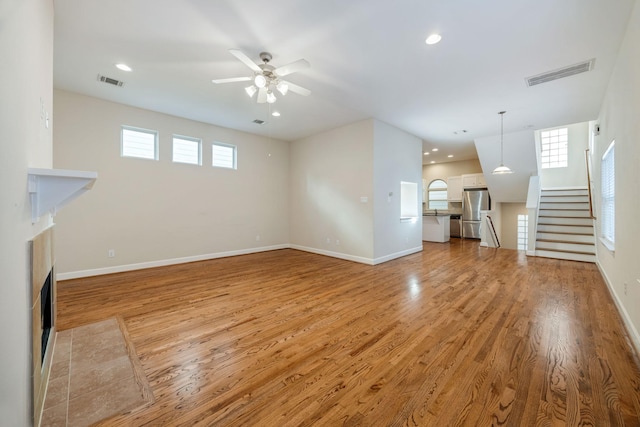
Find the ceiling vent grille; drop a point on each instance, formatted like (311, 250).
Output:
(258, 122)
(110, 81)
(571, 70)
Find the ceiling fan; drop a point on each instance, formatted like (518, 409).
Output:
(267, 78)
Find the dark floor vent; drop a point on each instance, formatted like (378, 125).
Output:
(571, 70)
(110, 81)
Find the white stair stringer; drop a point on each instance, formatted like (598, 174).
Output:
(565, 227)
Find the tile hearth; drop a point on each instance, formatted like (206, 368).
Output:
(95, 375)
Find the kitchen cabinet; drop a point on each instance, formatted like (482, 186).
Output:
(474, 180)
(454, 189)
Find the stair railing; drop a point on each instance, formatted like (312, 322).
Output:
(494, 235)
(586, 155)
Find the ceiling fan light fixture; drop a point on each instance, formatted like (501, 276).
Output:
(502, 169)
(271, 98)
(260, 80)
(283, 88)
(251, 90)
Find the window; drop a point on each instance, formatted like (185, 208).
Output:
(224, 155)
(523, 230)
(608, 197)
(187, 150)
(408, 200)
(437, 195)
(554, 148)
(140, 143)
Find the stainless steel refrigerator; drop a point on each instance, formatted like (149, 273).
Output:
(473, 201)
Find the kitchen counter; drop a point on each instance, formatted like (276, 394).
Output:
(435, 227)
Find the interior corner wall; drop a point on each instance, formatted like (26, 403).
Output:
(26, 43)
(618, 121)
(396, 158)
(575, 174)
(159, 212)
(331, 192)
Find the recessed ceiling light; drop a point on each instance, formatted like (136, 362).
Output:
(434, 149)
(275, 114)
(433, 161)
(123, 67)
(433, 39)
(450, 155)
(426, 153)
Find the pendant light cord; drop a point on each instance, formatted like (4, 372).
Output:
(502, 137)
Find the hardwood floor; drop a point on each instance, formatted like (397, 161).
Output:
(455, 335)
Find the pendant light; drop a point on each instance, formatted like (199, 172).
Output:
(502, 169)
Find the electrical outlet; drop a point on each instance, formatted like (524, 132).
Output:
(625, 288)
(111, 253)
(337, 242)
(328, 239)
(257, 238)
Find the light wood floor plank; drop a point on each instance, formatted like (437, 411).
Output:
(457, 335)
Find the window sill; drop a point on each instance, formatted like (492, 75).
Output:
(608, 244)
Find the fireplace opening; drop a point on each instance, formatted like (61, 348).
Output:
(46, 313)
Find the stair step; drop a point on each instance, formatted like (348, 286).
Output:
(569, 213)
(564, 205)
(565, 192)
(586, 248)
(561, 237)
(555, 220)
(570, 256)
(552, 198)
(566, 228)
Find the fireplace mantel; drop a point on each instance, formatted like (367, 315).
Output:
(51, 189)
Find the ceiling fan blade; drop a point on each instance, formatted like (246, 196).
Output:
(262, 95)
(298, 89)
(246, 60)
(298, 65)
(231, 80)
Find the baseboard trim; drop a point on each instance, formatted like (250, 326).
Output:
(164, 262)
(631, 329)
(531, 253)
(395, 255)
(332, 254)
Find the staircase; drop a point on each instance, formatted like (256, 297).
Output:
(565, 226)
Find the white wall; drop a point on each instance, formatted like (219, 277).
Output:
(618, 120)
(509, 223)
(519, 155)
(575, 174)
(330, 173)
(445, 170)
(26, 45)
(396, 158)
(159, 211)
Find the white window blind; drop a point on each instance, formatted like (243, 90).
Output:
(224, 155)
(140, 143)
(608, 195)
(437, 195)
(187, 150)
(555, 149)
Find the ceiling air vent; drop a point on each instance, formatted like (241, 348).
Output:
(110, 81)
(571, 70)
(258, 122)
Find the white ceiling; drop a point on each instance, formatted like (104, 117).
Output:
(368, 59)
